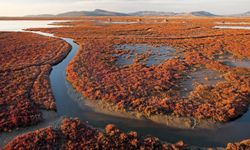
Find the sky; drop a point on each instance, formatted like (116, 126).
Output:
(31, 7)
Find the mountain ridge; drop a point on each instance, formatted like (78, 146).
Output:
(100, 12)
(245, 14)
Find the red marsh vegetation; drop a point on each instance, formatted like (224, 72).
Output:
(72, 134)
(155, 90)
(147, 91)
(26, 61)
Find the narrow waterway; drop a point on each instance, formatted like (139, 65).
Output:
(71, 104)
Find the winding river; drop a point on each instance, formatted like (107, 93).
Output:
(71, 104)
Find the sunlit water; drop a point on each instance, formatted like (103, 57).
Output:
(232, 23)
(233, 27)
(18, 25)
(70, 104)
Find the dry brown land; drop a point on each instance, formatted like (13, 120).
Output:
(26, 61)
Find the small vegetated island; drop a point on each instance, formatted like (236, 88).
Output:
(118, 68)
(26, 61)
(180, 72)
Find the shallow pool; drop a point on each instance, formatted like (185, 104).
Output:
(144, 54)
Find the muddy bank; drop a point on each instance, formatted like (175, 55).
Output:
(170, 121)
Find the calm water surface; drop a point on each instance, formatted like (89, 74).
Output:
(70, 104)
(233, 27)
(18, 25)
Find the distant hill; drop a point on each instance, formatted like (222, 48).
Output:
(246, 14)
(100, 12)
(152, 13)
(202, 13)
(97, 12)
(162, 13)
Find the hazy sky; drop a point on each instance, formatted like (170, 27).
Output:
(27, 7)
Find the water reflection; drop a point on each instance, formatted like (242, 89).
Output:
(19, 25)
(233, 27)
